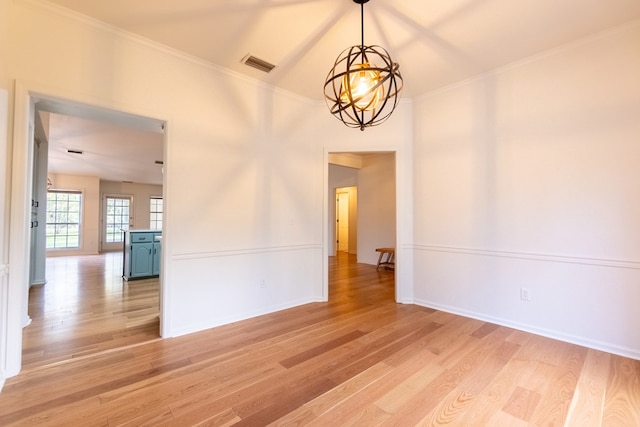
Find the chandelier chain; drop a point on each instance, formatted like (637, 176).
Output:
(361, 24)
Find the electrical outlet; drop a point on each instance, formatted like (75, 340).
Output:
(525, 294)
(263, 283)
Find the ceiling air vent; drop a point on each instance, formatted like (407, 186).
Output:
(258, 63)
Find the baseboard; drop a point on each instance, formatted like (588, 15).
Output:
(572, 339)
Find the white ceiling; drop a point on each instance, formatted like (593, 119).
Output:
(436, 42)
(111, 151)
(115, 146)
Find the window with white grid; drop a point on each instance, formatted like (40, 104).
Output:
(63, 219)
(117, 217)
(155, 212)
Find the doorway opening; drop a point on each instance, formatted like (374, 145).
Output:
(117, 215)
(90, 151)
(362, 208)
(347, 219)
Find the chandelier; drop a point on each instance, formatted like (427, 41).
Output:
(363, 87)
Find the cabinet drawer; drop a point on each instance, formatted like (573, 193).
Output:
(141, 237)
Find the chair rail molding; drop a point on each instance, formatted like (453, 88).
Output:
(566, 259)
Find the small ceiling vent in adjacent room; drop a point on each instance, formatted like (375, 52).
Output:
(258, 63)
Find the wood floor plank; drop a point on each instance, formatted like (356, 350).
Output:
(555, 402)
(587, 406)
(298, 358)
(152, 418)
(415, 376)
(497, 393)
(369, 416)
(298, 417)
(348, 389)
(412, 411)
(358, 359)
(622, 401)
(214, 400)
(456, 403)
(104, 312)
(522, 403)
(378, 351)
(338, 404)
(503, 419)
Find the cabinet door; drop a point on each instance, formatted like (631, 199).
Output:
(156, 258)
(141, 259)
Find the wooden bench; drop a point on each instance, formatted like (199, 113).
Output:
(389, 261)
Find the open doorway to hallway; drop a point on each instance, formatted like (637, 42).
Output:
(362, 194)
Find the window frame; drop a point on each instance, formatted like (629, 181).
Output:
(66, 224)
(117, 233)
(153, 222)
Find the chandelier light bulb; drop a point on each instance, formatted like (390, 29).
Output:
(362, 88)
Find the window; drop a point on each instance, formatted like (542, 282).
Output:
(155, 209)
(117, 217)
(63, 219)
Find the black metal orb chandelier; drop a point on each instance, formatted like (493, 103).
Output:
(363, 87)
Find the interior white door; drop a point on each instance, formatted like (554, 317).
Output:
(342, 221)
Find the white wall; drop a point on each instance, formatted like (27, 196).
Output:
(245, 180)
(528, 177)
(5, 173)
(4, 43)
(243, 171)
(377, 206)
(245, 164)
(4, 261)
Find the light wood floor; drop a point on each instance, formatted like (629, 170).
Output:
(86, 308)
(359, 359)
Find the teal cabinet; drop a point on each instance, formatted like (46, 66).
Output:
(141, 259)
(141, 254)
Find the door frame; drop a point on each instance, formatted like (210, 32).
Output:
(14, 304)
(404, 218)
(339, 217)
(113, 246)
